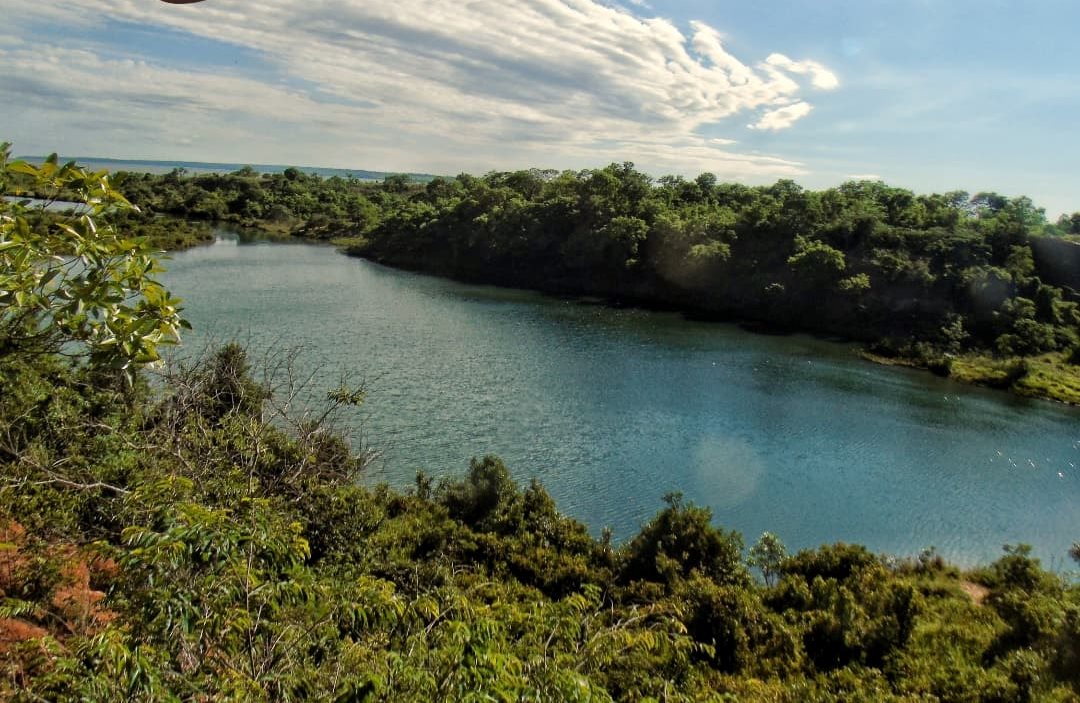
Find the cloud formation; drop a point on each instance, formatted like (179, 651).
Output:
(428, 84)
(783, 117)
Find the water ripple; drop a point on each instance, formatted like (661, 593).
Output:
(611, 409)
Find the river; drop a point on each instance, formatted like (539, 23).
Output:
(612, 408)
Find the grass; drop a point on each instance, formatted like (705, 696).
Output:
(1046, 376)
(987, 371)
(1049, 376)
(274, 227)
(357, 243)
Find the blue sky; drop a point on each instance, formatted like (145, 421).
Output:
(932, 95)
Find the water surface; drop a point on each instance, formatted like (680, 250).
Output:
(613, 408)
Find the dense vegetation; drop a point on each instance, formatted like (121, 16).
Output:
(980, 287)
(44, 202)
(192, 535)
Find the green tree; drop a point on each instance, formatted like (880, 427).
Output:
(484, 500)
(72, 284)
(1070, 224)
(818, 262)
(681, 541)
(768, 554)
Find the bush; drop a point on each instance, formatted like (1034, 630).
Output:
(730, 620)
(681, 541)
(839, 561)
(112, 310)
(487, 500)
(339, 520)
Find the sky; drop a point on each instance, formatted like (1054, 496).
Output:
(932, 95)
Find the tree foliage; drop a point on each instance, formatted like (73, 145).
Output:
(74, 284)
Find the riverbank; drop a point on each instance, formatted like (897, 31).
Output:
(168, 233)
(1049, 376)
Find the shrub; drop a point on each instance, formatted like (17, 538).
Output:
(680, 541)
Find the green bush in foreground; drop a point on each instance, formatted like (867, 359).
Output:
(73, 281)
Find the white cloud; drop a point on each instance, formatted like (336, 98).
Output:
(820, 76)
(782, 118)
(863, 177)
(424, 84)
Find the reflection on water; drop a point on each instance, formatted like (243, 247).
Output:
(612, 409)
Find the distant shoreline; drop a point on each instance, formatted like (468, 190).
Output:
(157, 166)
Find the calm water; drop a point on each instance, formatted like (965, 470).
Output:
(611, 409)
(50, 205)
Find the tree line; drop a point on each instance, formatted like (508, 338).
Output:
(923, 279)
